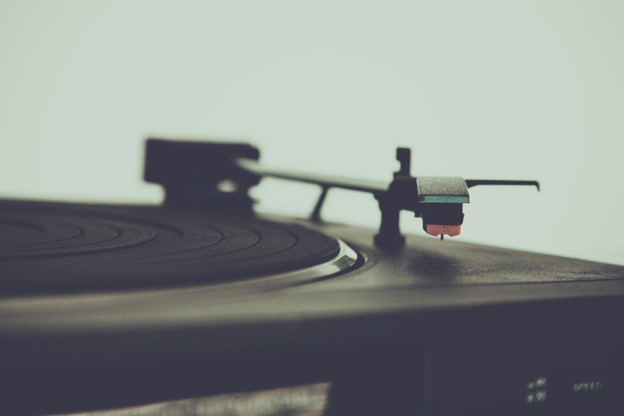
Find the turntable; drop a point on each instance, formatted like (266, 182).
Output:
(108, 306)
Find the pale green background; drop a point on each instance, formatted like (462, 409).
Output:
(480, 89)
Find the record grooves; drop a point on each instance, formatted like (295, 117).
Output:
(66, 248)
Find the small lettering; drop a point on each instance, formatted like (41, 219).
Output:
(539, 382)
(541, 396)
(537, 390)
(537, 397)
(587, 386)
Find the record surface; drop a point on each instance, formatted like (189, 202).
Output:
(55, 248)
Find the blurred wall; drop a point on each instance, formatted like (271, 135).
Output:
(479, 89)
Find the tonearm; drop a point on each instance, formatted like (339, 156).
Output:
(216, 176)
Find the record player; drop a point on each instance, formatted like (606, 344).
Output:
(106, 306)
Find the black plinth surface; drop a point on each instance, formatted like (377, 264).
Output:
(430, 316)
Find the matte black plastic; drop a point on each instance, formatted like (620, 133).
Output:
(418, 309)
(202, 175)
